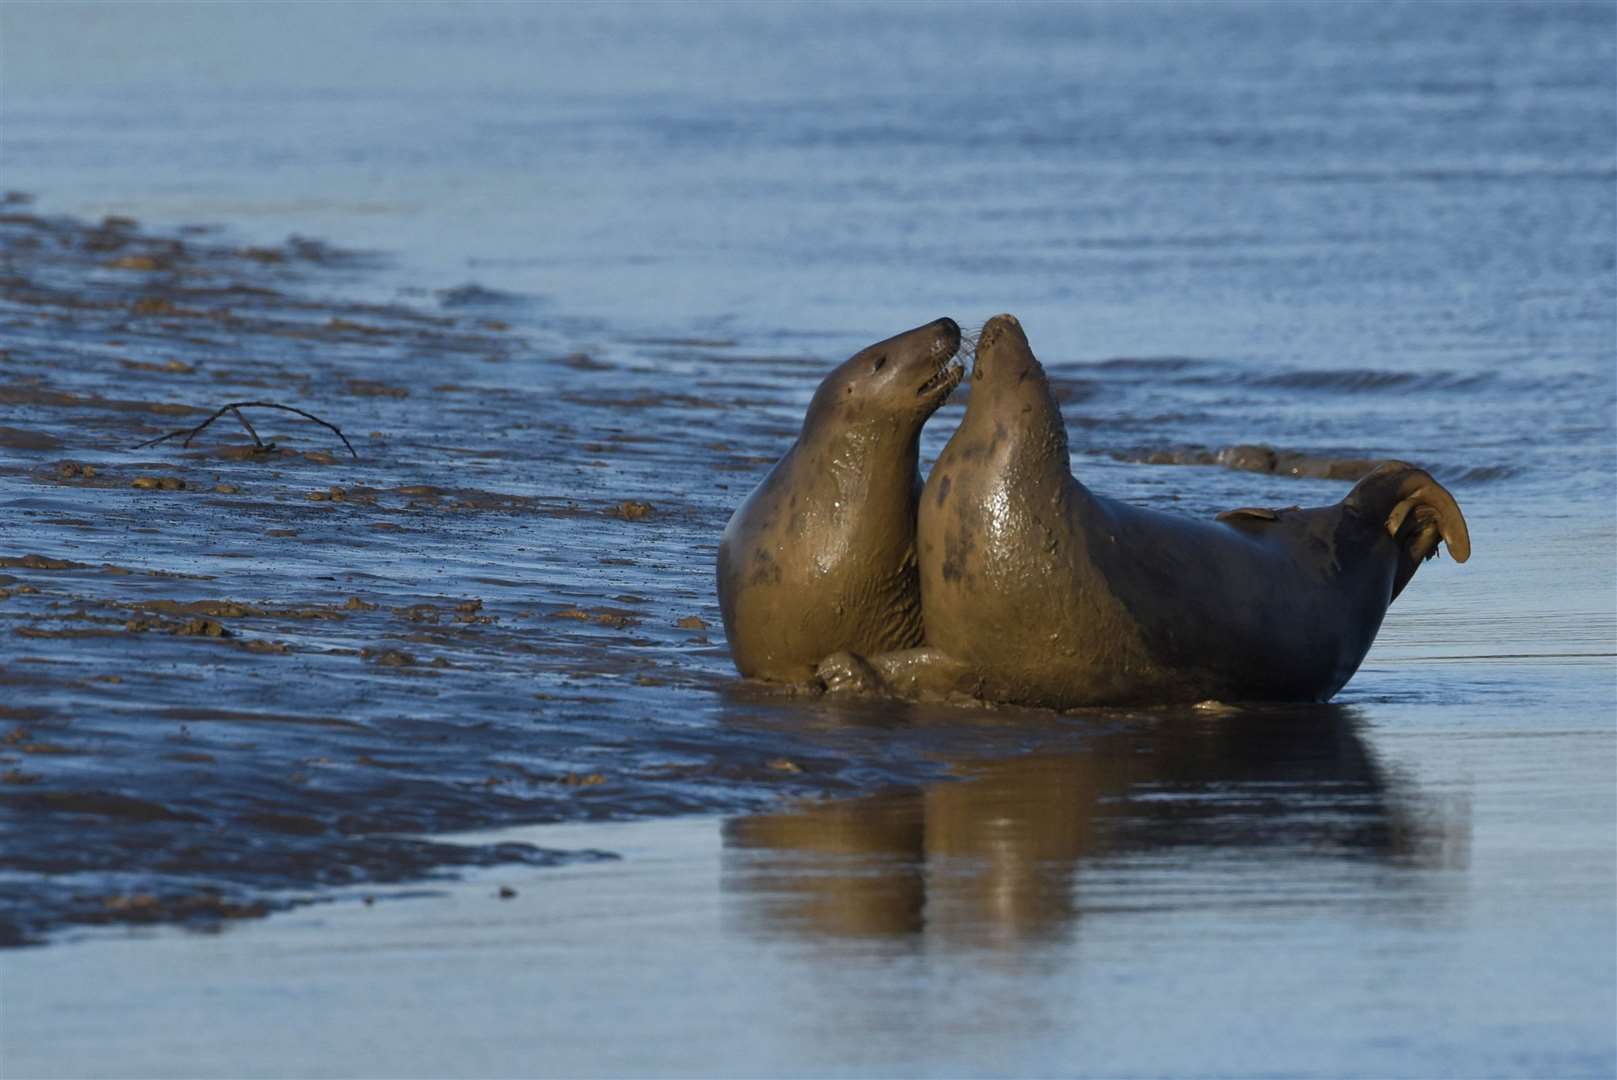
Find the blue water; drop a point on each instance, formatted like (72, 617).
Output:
(1329, 185)
(1353, 229)
(1423, 188)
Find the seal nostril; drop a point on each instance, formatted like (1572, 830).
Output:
(948, 325)
(881, 362)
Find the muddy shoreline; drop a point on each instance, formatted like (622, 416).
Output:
(247, 665)
(256, 666)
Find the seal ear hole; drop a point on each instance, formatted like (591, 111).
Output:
(879, 363)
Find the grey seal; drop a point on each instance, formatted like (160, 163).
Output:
(821, 556)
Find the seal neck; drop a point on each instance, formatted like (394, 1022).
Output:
(1013, 413)
(868, 456)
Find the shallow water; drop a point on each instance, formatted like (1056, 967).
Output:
(608, 253)
(1302, 893)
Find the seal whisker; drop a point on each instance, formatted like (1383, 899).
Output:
(967, 349)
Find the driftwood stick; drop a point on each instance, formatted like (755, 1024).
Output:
(235, 407)
(257, 442)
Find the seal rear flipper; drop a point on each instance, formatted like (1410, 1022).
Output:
(1416, 511)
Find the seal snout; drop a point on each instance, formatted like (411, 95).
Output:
(942, 382)
(946, 337)
(942, 370)
(1001, 333)
(1000, 326)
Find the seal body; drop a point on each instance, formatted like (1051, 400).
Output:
(821, 556)
(1052, 595)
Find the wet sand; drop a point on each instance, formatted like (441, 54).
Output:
(306, 627)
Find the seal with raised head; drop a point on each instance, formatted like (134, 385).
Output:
(1038, 591)
(821, 556)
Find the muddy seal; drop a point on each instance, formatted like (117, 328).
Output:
(1038, 591)
(821, 556)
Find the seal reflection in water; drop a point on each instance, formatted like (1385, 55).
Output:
(999, 856)
(821, 556)
(1038, 591)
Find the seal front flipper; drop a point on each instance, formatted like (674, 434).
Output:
(922, 673)
(849, 673)
(1415, 510)
(1248, 515)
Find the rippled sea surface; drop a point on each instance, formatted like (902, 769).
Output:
(566, 277)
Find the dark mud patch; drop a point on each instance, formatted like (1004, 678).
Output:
(473, 295)
(21, 439)
(1373, 380)
(1256, 458)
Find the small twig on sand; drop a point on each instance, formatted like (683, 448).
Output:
(234, 408)
(256, 441)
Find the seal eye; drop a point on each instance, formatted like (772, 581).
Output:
(881, 362)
